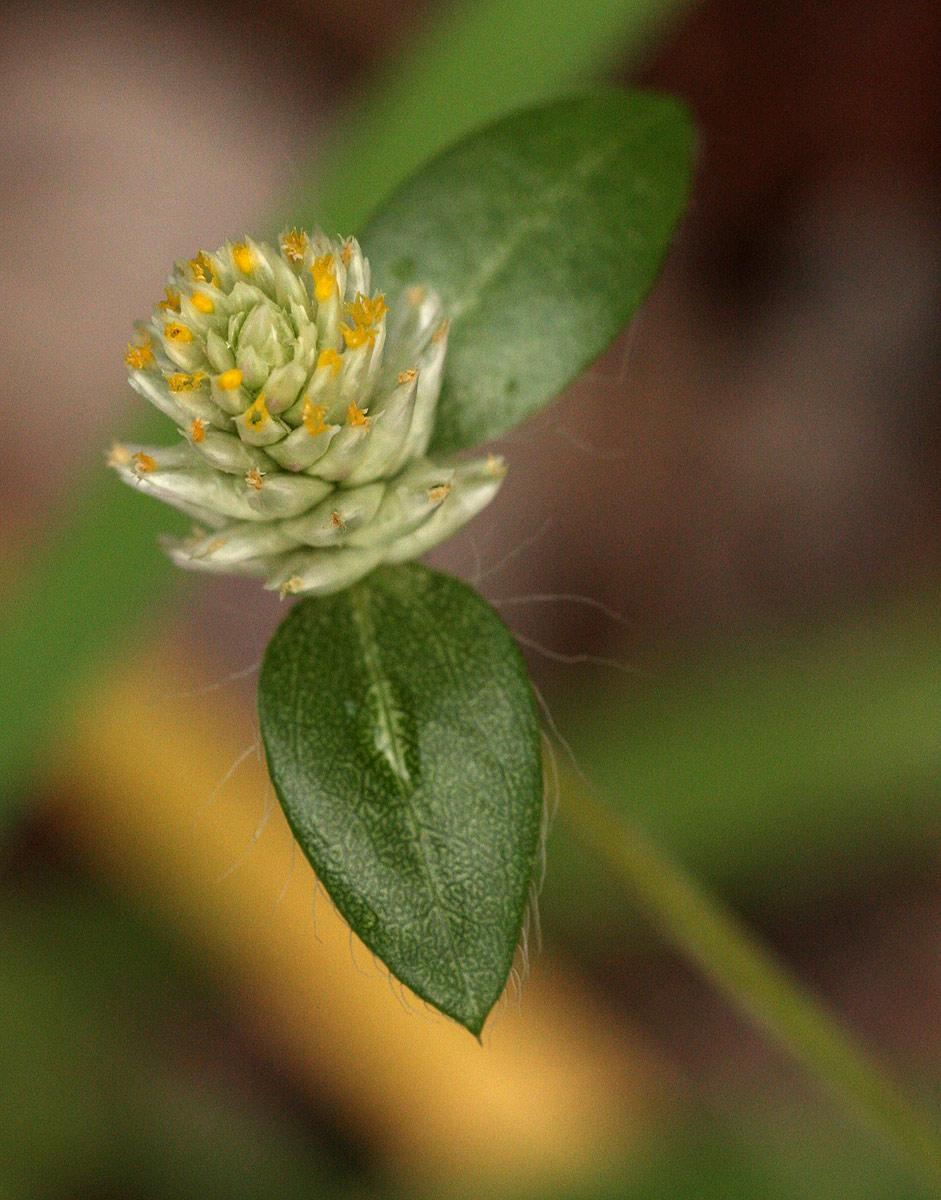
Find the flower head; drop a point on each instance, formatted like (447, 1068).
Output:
(305, 404)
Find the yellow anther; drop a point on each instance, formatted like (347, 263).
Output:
(175, 332)
(172, 302)
(325, 281)
(442, 330)
(181, 382)
(202, 303)
(142, 462)
(408, 376)
(357, 336)
(313, 417)
(119, 456)
(139, 356)
(254, 479)
(197, 430)
(294, 245)
(202, 269)
(228, 381)
(336, 520)
(257, 414)
(346, 251)
(291, 586)
(437, 493)
(367, 312)
(355, 416)
(242, 257)
(329, 358)
(358, 310)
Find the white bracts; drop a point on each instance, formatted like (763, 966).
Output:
(305, 415)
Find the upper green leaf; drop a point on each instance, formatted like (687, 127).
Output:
(543, 233)
(403, 743)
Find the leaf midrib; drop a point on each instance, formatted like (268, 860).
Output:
(372, 662)
(491, 267)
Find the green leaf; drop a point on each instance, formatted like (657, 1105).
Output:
(402, 741)
(543, 233)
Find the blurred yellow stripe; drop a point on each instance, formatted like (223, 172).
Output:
(558, 1093)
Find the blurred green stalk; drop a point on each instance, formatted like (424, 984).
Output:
(93, 579)
(708, 934)
(795, 766)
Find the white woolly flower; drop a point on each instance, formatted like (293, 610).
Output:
(305, 406)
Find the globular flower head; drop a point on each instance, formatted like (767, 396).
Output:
(305, 405)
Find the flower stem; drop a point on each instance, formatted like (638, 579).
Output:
(736, 962)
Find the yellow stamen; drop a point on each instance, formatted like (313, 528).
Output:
(358, 311)
(291, 586)
(175, 332)
(294, 245)
(325, 281)
(357, 336)
(441, 331)
(313, 417)
(202, 269)
(254, 479)
(197, 430)
(181, 382)
(242, 257)
(336, 520)
(438, 492)
(119, 456)
(172, 302)
(329, 358)
(346, 252)
(228, 381)
(139, 356)
(367, 312)
(202, 303)
(142, 462)
(257, 413)
(379, 306)
(416, 296)
(407, 376)
(355, 416)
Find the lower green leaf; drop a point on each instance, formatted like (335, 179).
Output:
(403, 743)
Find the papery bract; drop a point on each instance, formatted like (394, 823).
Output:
(305, 405)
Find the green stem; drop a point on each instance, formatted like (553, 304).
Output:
(740, 966)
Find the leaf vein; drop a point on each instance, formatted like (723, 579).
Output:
(491, 267)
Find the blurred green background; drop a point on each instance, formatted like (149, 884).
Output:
(720, 550)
